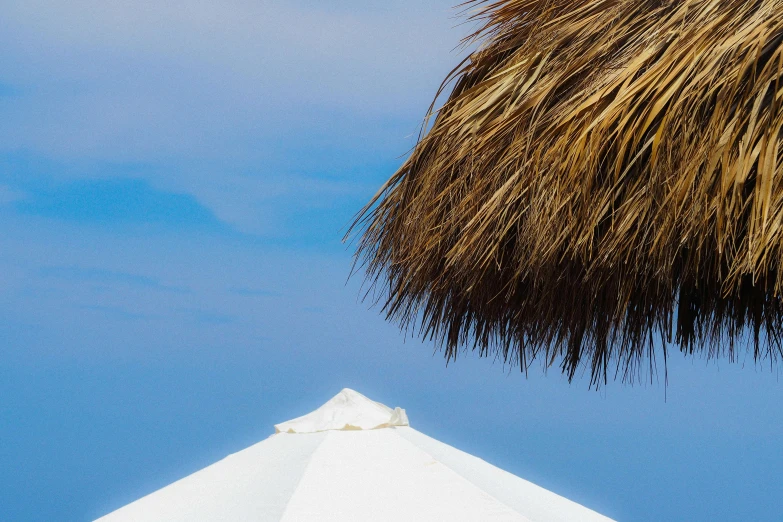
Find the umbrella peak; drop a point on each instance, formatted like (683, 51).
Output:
(346, 411)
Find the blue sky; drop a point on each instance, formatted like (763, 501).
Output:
(175, 179)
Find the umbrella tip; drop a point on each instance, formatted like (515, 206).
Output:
(349, 410)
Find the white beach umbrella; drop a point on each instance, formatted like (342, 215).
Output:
(352, 460)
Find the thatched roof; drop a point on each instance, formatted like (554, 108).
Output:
(605, 181)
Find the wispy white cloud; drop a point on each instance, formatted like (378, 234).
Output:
(239, 102)
(149, 78)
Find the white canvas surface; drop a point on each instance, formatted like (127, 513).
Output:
(352, 460)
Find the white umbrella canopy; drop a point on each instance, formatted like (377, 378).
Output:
(352, 459)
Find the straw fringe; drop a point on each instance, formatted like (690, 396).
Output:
(604, 180)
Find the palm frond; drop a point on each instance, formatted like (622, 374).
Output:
(605, 180)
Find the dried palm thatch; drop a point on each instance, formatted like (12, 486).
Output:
(604, 181)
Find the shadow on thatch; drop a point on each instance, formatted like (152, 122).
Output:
(605, 177)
